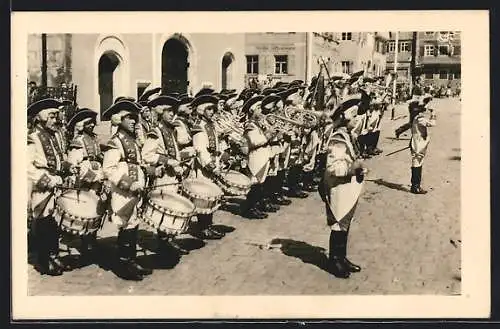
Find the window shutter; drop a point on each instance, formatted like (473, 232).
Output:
(422, 50)
(456, 50)
(291, 64)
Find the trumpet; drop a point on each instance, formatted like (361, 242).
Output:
(282, 123)
(307, 119)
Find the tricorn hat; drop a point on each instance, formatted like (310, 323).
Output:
(44, 104)
(81, 115)
(145, 96)
(122, 108)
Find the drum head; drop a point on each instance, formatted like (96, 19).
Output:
(83, 205)
(173, 201)
(202, 187)
(237, 178)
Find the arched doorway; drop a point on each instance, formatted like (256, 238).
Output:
(109, 64)
(226, 79)
(174, 66)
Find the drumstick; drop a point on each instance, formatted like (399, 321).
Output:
(161, 185)
(71, 198)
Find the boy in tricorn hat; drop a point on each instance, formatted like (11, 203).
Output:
(122, 167)
(86, 155)
(341, 187)
(46, 169)
(162, 152)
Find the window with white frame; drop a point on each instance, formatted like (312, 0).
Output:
(443, 74)
(404, 46)
(346, 35)
(346, 67)
(428, 50)
(253, 64)
(391, 46)
(281, 64)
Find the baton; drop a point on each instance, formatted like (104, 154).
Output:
(397, 151)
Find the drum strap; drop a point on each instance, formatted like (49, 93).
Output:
(169, 141)
(212, 137)
(90, 145)
(131, 156)
(50, 149)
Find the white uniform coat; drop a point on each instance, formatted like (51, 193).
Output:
(340, 186)
(122, 166)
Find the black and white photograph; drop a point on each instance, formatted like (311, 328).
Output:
(190, 162)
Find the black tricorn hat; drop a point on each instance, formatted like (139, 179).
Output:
(281, 84)
(164, 100)
(172, 94)
(272, 98)
(357, 74)
(204, 99)
(204, 91)
(227, 91)
(185, 100)
(290, 91)
(125, 105)
(148, 93)
(250, 102)
(124, 98)
(43, 104)
(345, 106)
(297, 83)
(269, 91)
(82, 114)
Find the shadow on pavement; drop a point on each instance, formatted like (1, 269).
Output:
(305, 252)
(223, 228)
(397, 139)
(394, 186)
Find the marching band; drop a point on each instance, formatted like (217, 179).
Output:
(173, 159)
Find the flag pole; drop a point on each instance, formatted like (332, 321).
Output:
(395, 75)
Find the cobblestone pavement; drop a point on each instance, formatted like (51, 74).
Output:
(402, 241)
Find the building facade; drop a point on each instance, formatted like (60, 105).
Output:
(439, 58)
(105, 66)
(361, 51)
(289, 56)
(275, 56)
(404, 53)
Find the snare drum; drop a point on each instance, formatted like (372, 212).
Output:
(205, 195)
(168, 212)
(234, 183)
(77, 212)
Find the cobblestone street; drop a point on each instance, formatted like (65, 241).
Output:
(401, 240)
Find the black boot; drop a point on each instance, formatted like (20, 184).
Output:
(351, 267)
(43, 264)
(336, 259)
(294, 190)
(249, 206)
(202, 230)
(265, 203)
(376, 139)
(278, 194)
(416, 178)
(370, 140)
(127, 269)
(53, 244)
(308, 181)
(87, 249)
